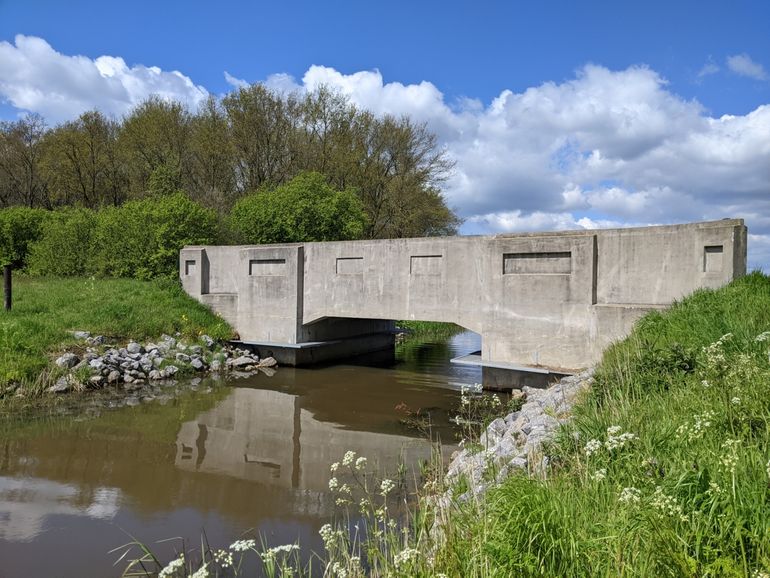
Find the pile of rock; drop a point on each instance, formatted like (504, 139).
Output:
(136, 364)
(515, 442)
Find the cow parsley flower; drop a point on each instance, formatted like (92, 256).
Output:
(348, 458)
(243, 545)
(171, 568)
(592, 446)
(630, 495)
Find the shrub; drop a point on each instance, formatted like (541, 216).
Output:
(305, 209)
(19, 228)
(142, 238)
(65, 245)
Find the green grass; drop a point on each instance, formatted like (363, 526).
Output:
(429, 329)
(45, 310)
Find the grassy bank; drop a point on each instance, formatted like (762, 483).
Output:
(428, 329)
(46, 310)
(665, 470)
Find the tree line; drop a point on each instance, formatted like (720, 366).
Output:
(249, 141)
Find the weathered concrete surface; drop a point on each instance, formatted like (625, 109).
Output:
(541, 299)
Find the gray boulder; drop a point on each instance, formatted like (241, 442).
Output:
(67, 360)
(62, 385)
(170, 370)
(134, 347)
(242, 361)
(268, 362)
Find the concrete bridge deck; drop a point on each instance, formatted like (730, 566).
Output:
(553, 300)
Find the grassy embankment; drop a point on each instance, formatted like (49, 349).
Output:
(46, 310)
(686, 493)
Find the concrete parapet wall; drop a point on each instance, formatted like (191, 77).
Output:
(544, 299)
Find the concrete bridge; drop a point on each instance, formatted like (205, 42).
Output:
(541, 301)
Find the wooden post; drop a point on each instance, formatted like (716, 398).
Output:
(7, 286)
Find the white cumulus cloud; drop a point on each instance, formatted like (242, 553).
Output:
(35, 77)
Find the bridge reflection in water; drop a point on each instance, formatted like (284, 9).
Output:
(265, 436)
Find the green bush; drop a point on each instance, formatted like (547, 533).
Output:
(19, 228)
(142, 238)
(65, 245)
(305, 209)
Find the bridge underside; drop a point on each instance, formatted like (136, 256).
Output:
(539, 301)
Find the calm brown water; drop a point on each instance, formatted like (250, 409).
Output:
(251, 455)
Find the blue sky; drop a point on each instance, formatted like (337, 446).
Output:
(558, 114)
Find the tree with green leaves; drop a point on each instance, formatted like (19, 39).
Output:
(80, 161)
(306, 208)
(156, 133)
(20, 227)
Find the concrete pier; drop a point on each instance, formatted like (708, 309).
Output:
(549, 301)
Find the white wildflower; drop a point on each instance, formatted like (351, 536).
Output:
(361, 463)
(202, 572)
(405, 556)
(705, 383)
(701, 422)
(667, 504)
(619, 441)
(339, 571)
(736, 400)
(334, 467)
(348, 458)
(344, 489)
(327, 535)
(387, 486)
(730, 458)
(767, 468)
(272, 553)
(614, 430)
(714, 489)
(592, 446)
(333, 484)
(599, 475)
(630, 495)
(171, 568)
(764, 336)
(223, 558)
(243, 545)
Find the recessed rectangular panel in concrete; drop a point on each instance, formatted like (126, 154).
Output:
(267, 267)
(425, 264)
(542, 263)
(713, 261)
(189, 267)
(350, 265)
